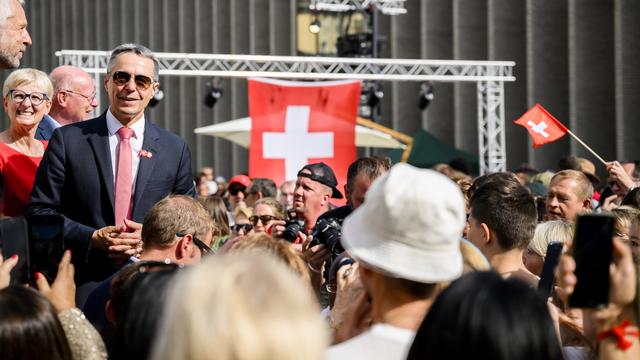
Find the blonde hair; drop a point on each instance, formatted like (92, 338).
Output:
(585, 187)
(472, 257)
(265, 244)
(242, 211)
(28, 76)
(253, 309)
(555, 230)
(275, 205)
(624, 216)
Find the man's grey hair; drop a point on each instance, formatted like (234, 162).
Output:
(7, 10)
(136, 49)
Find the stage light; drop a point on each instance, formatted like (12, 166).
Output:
(314, 27)
(370, 97)
(157, 97)
(426, 95)
(214, 93)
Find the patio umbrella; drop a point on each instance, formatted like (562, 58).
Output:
(239, 132)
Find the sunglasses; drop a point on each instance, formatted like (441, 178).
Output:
(264, 219)
(246, 227)
(121, 78)
(204, 248)
(234, 191)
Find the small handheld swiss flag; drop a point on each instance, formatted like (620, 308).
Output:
(542, 126)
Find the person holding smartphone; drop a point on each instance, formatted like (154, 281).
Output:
(613, 327)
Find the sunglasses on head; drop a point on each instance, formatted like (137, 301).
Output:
(143, 82)
(264, 219)
(245, 227)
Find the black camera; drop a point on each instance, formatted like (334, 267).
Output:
(292, 227)
(328, 231)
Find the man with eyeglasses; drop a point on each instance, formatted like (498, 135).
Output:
(74, 99)
(104, 174)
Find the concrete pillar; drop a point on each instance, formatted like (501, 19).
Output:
(592, 77)
(627, 78)
(469, 43)
(221, 12)
(547, 74)
(436, 37)
(507, 40)
(240, 44)
(405, 44)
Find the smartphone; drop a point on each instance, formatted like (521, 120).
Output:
(545, 285)
(14, 239)
(46, 245)
(592, 251)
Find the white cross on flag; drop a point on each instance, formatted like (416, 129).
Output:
(298, 123)
(542, 126)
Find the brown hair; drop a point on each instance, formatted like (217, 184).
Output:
(218, 212)
(29, 327)
(175, 213)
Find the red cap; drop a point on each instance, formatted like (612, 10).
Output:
(240, 179)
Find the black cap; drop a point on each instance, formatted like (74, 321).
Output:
(323, 174)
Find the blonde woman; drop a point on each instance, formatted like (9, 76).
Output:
(26, 99)
(546, 232)
(253, 309)
(266, 213)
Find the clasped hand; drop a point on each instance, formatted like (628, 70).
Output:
(121, 242)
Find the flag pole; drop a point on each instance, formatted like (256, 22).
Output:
(587, 147)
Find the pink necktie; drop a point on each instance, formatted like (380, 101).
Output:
(123, 176)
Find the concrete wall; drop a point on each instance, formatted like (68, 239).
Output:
(578, 58)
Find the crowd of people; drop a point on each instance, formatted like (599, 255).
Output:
(159, 264)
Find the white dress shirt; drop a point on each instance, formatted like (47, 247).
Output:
(113, 125)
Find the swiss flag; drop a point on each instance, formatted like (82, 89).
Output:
(542, 126)
(297, 123)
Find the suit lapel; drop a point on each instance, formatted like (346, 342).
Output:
(99, 141)
(147, 163)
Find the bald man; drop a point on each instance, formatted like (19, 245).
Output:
(74, 98)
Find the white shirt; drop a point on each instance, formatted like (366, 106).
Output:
(381, 341)
(113, 125)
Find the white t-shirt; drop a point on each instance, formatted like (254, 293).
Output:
(381, 341)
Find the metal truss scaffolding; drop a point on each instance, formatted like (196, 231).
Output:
(489, 76)
(387, 7)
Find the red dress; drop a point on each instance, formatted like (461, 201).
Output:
(18, 173)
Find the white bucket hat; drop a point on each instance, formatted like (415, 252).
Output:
(409, 226)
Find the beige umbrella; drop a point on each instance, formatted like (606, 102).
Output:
(239, 132)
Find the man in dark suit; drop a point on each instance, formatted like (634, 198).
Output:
(104, 173)
(74, 98)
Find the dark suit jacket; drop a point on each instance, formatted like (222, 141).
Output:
(75, 179)
(45, 128)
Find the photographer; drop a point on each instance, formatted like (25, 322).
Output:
(315, 186)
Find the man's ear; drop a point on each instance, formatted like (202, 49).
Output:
(182, 247)
(61, 97)
(586, 204)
